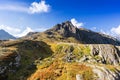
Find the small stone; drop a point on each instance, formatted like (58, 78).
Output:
(79, 77)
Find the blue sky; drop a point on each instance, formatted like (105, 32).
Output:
(18, 17)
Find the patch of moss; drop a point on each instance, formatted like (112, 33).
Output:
(111, 68)
(72, 50)
(44, 63)
(97, 58)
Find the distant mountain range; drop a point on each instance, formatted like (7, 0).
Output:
(5, 35)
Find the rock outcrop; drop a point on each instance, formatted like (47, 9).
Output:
(9, 62)
(106, 54)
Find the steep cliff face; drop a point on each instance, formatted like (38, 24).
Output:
(105, 72)
(107, 54)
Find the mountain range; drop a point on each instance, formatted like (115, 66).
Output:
(63, 52)
(5, 35)
(67, 32)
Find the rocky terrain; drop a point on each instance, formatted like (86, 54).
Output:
(63, 52)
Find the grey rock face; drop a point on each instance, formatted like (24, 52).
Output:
(66, 29)
(108, 58)
(105, 73)
(79, 77)
(8, 63)
(17, 59)
(107, 54)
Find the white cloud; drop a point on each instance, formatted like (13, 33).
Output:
(104, 32)
(25, 32)
(115, 31)
(39, 7)
(18, 32)
(18, 8)
(9, 29)
(76, 23)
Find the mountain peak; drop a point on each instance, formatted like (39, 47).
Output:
(5, 35)
(68, 23)
(65, 29)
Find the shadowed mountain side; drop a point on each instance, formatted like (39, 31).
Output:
(85, 36)
(5, 35)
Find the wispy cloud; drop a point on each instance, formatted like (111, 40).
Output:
(11, 30)
(115, 31)
(35, 7)
(25, 32)
(18, 8)
(76, 23)
(18, 32)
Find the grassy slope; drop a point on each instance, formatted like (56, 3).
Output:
(58, 68)
(29, 52)
(64, 65)
(51, 61)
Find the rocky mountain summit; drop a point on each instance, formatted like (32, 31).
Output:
(63, 52)
(67, 29)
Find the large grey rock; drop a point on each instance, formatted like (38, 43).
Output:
(107, 54)
(79, 77)
(105, 73)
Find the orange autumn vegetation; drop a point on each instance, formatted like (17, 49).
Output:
(59, 70)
